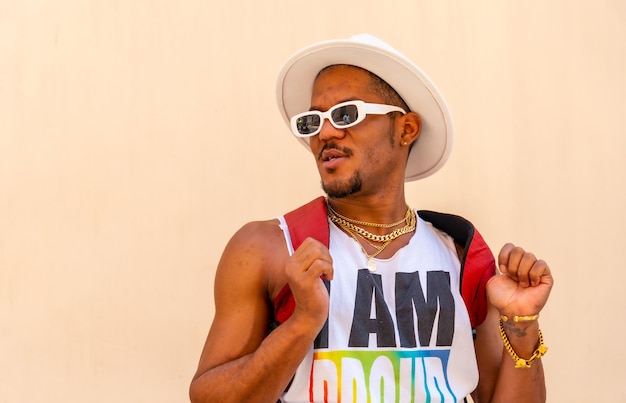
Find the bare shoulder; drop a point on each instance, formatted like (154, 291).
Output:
(257, 250)
(256, 237)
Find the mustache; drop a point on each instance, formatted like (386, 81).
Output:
(334, 146)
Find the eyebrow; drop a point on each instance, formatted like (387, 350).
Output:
(314, 108)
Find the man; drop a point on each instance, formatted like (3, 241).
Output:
(378, 314)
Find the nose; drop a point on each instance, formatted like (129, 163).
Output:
(328, 131)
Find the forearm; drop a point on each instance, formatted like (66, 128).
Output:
(520, 384)
(257, 377)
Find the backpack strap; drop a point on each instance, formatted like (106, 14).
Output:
(306, 221)
(477, 262)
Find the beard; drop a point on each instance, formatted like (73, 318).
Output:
(338, 189)
(344, 189)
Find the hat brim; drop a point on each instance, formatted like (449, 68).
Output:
(433, 147)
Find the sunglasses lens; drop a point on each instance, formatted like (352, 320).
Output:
(345, 115)
(308, 124)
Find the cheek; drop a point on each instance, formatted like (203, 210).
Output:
(315, 145)
(374, 156)
(383, 152)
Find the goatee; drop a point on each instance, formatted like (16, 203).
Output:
(339, 190)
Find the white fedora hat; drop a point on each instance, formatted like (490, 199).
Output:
(295, 85)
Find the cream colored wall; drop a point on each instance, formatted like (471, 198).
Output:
(137, 136)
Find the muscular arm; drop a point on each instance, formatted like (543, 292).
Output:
(240, 361)
(521, 289)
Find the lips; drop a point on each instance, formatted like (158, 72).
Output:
(331, 154)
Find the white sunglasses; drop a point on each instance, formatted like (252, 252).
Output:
(341, 116)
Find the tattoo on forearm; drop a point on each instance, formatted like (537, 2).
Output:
(515, 330)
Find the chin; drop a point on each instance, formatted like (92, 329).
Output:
(338, 189)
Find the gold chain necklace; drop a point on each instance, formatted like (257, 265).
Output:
(409, 227)
(370, 224)
(353, 230)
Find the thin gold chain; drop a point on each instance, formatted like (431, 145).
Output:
(370, 224)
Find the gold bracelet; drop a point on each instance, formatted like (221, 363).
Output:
(520, 318)
(520, 362)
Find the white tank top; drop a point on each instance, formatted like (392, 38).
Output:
(399, 334)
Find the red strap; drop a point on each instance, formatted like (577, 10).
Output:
(478, 268)
(308, 221)
(304, 222)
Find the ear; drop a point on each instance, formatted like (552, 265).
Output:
(411, 128)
